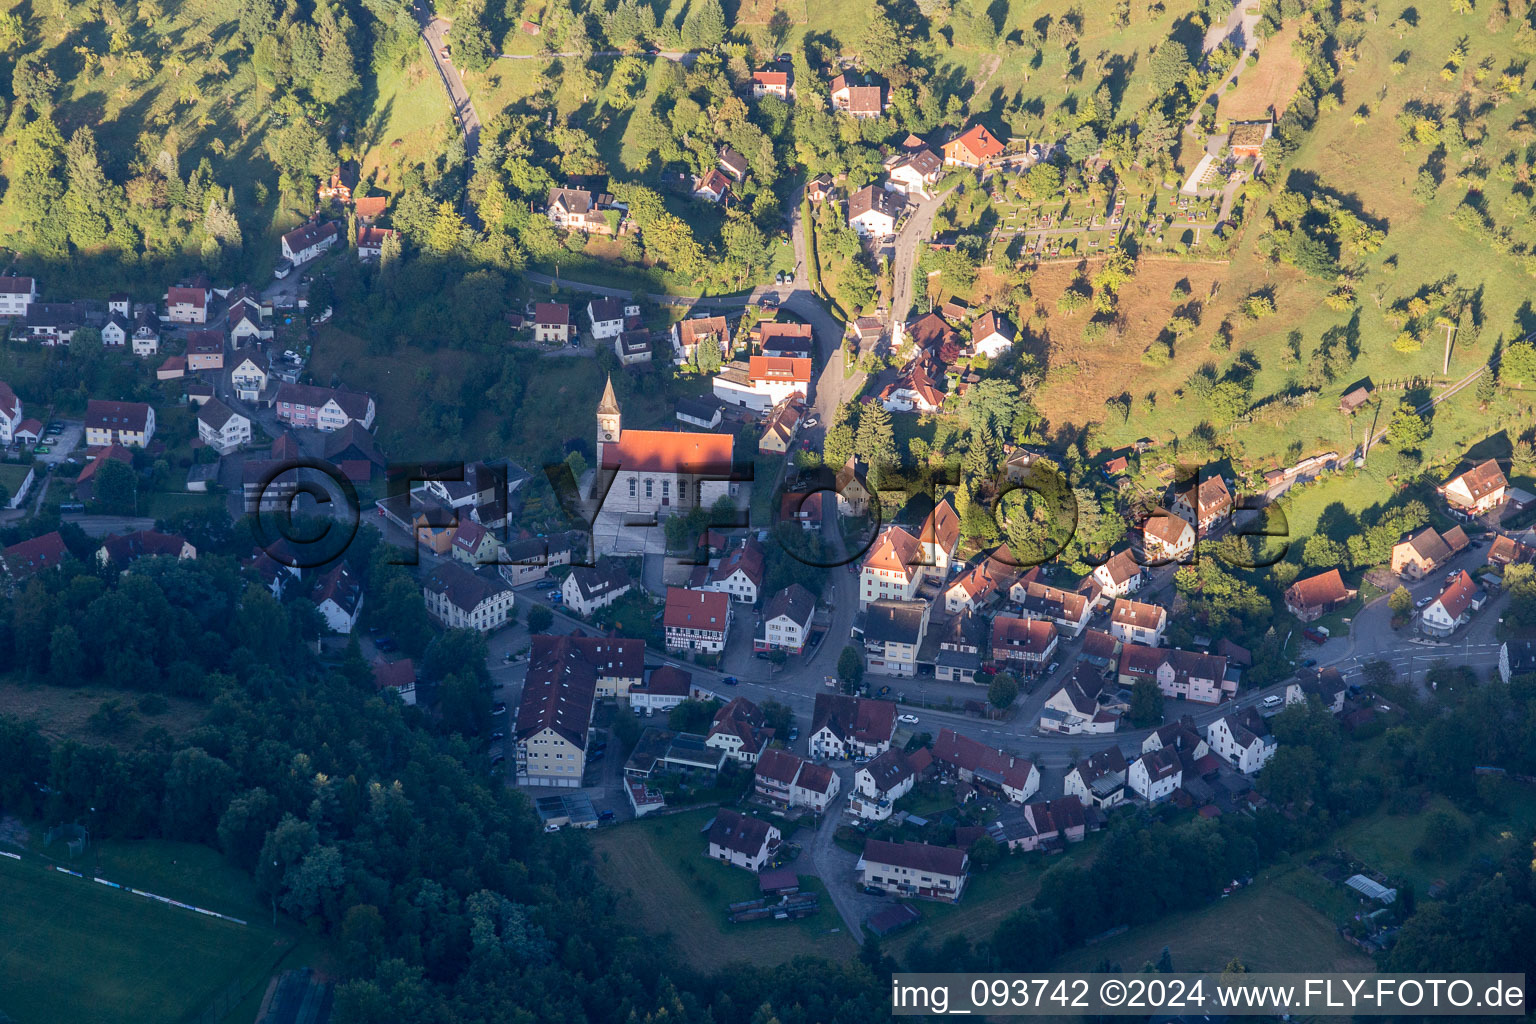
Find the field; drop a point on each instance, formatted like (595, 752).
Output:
(83, 951)
(1264, 926)
(676, 891)
(1386, 841)
(1268, 85)
(65, 712)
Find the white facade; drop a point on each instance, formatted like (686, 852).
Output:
(1143, 785)
(17, 295)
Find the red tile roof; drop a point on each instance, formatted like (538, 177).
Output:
(696, 609)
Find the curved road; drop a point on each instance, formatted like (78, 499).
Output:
(434, 32)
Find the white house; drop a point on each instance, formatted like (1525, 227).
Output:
(1118, 577)
(767, 382)
(873, 211)
(1453, 608)
(1155, 775)
(696, 620)
(16, 294)
(1099, 780)
(992, 335)
(249, 376)
(146, 333)
(665, 689)
(974, 762)
(339, 597)
(1477, 490)
(590, 588)
(607, 317)
(552, 323)
(843, 726)
(786, 621)
(1132, 622)
(739, 573)
(221, 428)
(10, 413)
(741, 841)
(116, 331)
(914, 869)
(738, 729)
(307, 241)
(878, 784)
(188, 303)
(1242, 739)
(1167, 537)
(460, 598)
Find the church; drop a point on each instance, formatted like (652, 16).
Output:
(657, 472)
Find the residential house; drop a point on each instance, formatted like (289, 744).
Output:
(712, 186)
(687, 334)
(398, 677)
(858, 95)
(1120, 576)
(1155, 775)
(786, 621)
(1453, 608)
(853, 493)
(878, 784)
(1516, 658)
(992, 334)
(893, 632)
(939, 535)
(591, 588)
(784, 340)
(10, 413)
(873, 211)
(1056, 822)
(774, 79)
(1242, 739)
(1074, 709)
(738, 729)
(739, 573)
(804, 509)
(1067, 610)
(308, 241)
(1505, 550)
(696, 620)
(775, 775)
(527, 559)
(893, 568)
(473, 544)
(607, 317)
(1478, 490)
(1098, 780)
(1316, 596)
(1182, 675)
(249, 376)
(1100, 650)
(188, 303)
(320, 408)
(983, 583)
(914, 171)
(972, 148)
(1204, 503)
(221, 428)
(461, 598)
(960, 649)
(371, 241)
(779, 430)
(915, 388)
(665, 689)
(633, 347)
(594, 213)
(1167, 537)
(354, 452)
(820, 188)
(742, 841)
(146, 333)
(1132, 622)
(914, 869)
(130, 424)
(552, 323)
(116, 331)
(1419, 554)
(765, 382)
(33, 556)
(1327, 685)
(733, 164)
(700, 412)
(339, 597)
(16, 295)
(121, 550)
(55, 323)
(844, 727)
(1025, 645)
(972, 761)
(246, 324)
(554, 715)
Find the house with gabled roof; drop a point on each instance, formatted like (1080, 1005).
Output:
(554, 714)
(1024, 645)
(878, 784)
(1312, 598)
(893, 568)
(1505, 550)
(1242, 739)
(29, 557)
(974, 762)
(578, 209)
(16, 294)
(398, 677)
(742, 841)
(552, 323)
(1098, 780)
(740, 573)
(893, 631)
(739, 730)
(1452, 608)
(664, 689)
(873, 211)
(1074, 709)
(1067, 610)
(858, 94)
(221, 428)
(992, 334)
(10, 413)
(914, 870)
(1476, 491)
(188, 302)
(779, 430)
(1421, 553)
(786, 621)
(1155, 775)
(1132, 622)
(843, 726)
(687, 334)
(1326, 685)
(712, 186)
(307, 241)
(95, 458)
(338, 595)
(607, 316)
(473, 544)
(696, 620)
(130, 424)
(972, 147)
(321, 408)
(783, 339)
(913, 170)
(1167, 537)
(773, 79)
(1120, 576)
(985, 582)
(590, 588)
(1179, 674)
(961, 648)
(250, 375)
(1204, 502)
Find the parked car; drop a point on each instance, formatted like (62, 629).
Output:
(907, 719)
(605, 815)
(551, 827)
(1272, 701)
(638, 710)
(498, 736)
(1424, 602)
(553, 595)
(1315, 636)
(1309, 663)
(831, 682)
(499, 708)
(41, 449)
(731, 680)
(794, 734)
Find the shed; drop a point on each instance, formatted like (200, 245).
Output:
(778, 882)
(892, 919)
(1371, 889)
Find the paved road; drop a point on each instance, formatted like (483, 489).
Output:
(100, 526)
(434, 32)
(909, 241)
(1449, 392)
(684, 57)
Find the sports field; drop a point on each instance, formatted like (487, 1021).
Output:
(79, 951)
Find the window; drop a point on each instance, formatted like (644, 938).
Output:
(631, 487)
(648, 485)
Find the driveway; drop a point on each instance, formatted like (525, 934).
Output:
(909, 241)
(836, 867)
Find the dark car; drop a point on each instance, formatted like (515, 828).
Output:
(1309, 663)
(605, 816)
(731, 680)
(384, 643)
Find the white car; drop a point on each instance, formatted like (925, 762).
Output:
(1272, 701)
(907, 719)
(551, 828)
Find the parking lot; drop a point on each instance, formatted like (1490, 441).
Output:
(60, 438)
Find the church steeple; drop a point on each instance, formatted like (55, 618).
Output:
(609, 420)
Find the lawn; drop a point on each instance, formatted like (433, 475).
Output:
(676, 891)
(1269, 84)
(1386, 841)
(65, 712)
(105, 955)
(13, 476)
(1264, 926)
